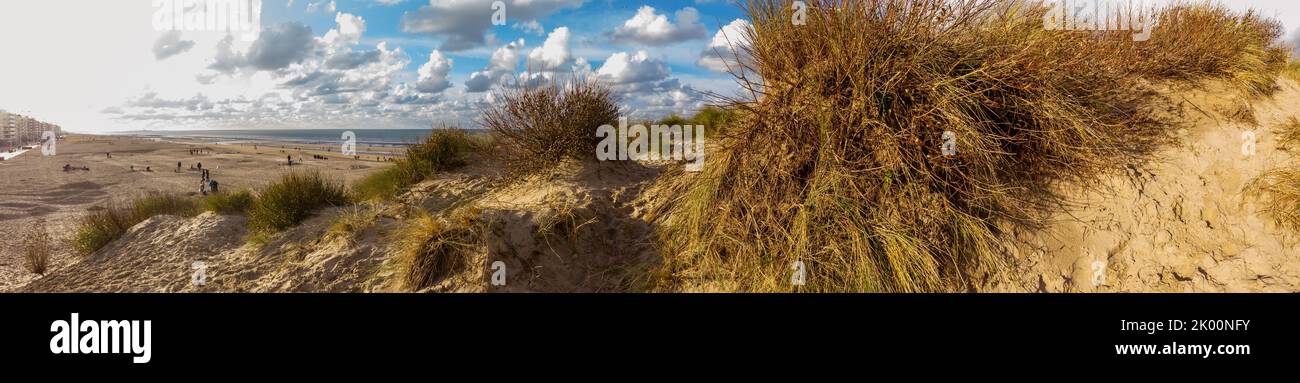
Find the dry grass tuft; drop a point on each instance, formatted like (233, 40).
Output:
(37, 247)
(1279, 189)
(432, 248)
(560, 217)
(352, 220)
(1241, 111)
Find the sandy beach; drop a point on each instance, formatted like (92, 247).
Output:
(34, 187)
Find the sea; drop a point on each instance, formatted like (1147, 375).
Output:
(364, 137)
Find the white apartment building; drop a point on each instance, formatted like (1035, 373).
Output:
(19, 130)
(8, 129)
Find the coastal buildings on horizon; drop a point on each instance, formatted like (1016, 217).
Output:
(17, 130)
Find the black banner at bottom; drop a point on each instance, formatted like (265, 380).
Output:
(147, 332)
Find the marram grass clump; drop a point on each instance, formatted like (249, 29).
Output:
(836, 167)
(291, 199)
(1209, 40)
(444, 150)
(100, 227)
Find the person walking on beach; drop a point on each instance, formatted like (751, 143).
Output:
(290, 158)
(200, 166)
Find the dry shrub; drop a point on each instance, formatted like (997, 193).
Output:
(836, 161)
(37, 247)
(538, 127)
(431, 248)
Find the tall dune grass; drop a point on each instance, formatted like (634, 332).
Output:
(836, 161)
(98, 228)
(237, 202)
(1293, 71)
(1208, 40)
(444, 150)
(292, 199)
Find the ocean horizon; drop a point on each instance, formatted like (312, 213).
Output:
(364, 137)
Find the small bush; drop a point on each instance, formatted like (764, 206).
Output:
(537, 127)
(98, 228)
(432, 248)
(292, 199)
(444, 150)
(229, 203)
(37, 243)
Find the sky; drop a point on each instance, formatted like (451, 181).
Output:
(99, 66)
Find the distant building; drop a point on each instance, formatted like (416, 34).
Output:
(8, 129)
(20, 130)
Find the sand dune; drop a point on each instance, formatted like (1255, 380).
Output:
(34, 187)
(1178, 223)
(1181, 223)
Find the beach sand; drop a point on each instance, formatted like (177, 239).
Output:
(33, 186)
